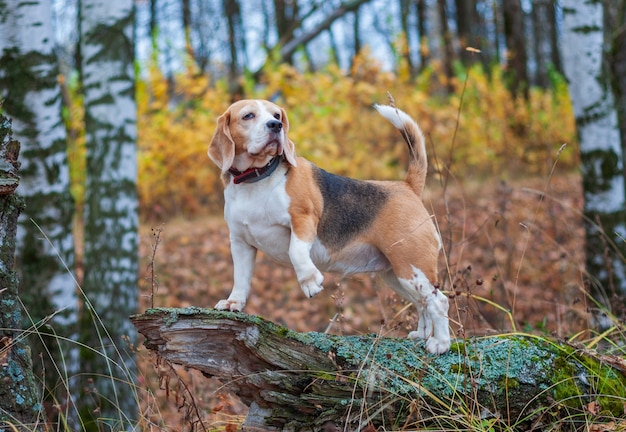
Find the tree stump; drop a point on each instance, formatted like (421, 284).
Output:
(314, 381)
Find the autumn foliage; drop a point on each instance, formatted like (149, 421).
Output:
(479, 130)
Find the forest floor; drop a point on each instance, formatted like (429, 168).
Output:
(513, 261)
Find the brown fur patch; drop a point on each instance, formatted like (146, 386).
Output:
(306, 206)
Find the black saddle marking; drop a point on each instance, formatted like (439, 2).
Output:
(350, 206)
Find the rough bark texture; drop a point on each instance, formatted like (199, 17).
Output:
(111, 260)
(19, 401)
(615, 22)
(601, 154)
(31, 96)
(314, 381)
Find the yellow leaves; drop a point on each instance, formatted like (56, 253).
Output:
(73, 117)
(175, 174)
(157, 95)
(500, 135)
(333, 124)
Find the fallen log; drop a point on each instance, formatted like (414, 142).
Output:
(314, 381)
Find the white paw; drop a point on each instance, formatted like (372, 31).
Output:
(438, 346)
(424, 326)
(230, 305)
(312, 285)
(420, 333)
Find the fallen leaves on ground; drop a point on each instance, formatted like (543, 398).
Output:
(517, 245)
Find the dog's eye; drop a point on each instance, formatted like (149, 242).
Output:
(248, 116)
(277, 116)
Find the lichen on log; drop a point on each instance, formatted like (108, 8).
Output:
(308, 381)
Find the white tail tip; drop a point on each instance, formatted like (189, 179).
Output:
(397, 117)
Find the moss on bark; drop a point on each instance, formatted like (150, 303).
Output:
(19, 401)
(301, 381)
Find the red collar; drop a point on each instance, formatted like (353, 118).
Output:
(252, 175)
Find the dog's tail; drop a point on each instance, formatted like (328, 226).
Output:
(412, 134)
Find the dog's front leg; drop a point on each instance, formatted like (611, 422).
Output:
(244, 256)
(309, 277)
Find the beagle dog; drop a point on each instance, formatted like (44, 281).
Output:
(300, 215)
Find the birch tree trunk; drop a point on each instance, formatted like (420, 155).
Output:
(600, 148)
(45, 249)
(111, 215)
(615, 20)
(19, 401)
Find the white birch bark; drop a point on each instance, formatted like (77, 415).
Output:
(19, 398)
(45, 244)
(583, 53)
(111, 207)
(33, 101)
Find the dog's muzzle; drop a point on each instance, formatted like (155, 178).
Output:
(274, 126)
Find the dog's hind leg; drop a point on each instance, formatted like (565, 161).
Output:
(432, 306)
(424, 323)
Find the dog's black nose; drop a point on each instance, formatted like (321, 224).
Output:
(274, 125)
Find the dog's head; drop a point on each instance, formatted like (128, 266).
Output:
(249, 134)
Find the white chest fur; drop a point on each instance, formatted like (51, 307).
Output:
(257, 213)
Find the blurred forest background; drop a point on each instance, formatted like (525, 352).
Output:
(328, 62)
(532, 221)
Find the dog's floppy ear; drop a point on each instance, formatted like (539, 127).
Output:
(222, 147)
(289, 147)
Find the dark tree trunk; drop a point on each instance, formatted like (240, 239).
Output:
(479, 38)
(447, 50)
(615, 16)
(334, 51)
(421, 29)
(233, 18)
(286, 13)
(554, 36)
(517, 75)
(544, 37)
(187, 26)
(356, 32)
(405, 11)
(153, 28)
(465, 15)
(19, 399)
(314, 381)
(495, 54)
